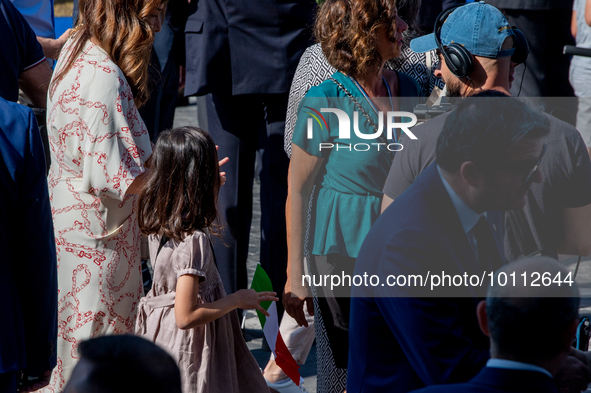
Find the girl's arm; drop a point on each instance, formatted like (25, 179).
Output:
(303, 170)
(189, 313)
(220, 163)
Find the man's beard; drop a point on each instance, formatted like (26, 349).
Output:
(453, 89)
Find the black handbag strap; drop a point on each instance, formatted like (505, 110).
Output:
(360, 108)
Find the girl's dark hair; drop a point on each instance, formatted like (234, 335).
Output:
(181, 192)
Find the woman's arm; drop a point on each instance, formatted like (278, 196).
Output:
(573, 24)
(303, 170)
(189, 313)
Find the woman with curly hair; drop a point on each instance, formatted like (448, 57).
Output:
(99, 147)
(357, 38)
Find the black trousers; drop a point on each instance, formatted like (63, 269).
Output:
(8, 382)
(246, 127)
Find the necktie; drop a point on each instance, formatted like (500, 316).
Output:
(489, 257)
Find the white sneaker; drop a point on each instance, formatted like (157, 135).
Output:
(287, 386)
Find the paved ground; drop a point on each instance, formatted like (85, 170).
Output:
(187, 116)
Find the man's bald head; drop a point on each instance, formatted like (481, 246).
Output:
(529, 322)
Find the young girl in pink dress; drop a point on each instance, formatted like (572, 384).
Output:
(187, 311)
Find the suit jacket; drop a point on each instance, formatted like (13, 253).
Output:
(245, 46)
(403, 338)
(28, 282)
(500, 380)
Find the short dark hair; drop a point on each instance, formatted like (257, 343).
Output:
(515, 311)
(126, 363)
(408, 10)
(181, 192)
(483, 129)
(515, 325)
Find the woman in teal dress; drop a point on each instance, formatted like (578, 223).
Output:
(348, 171)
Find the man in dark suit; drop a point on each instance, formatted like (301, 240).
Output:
(402, 335)
(242, 54)
(524, 357)
(28, 282)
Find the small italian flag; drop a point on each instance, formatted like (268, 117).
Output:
(261, 283)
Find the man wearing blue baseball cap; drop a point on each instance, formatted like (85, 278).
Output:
(476, 45)
(479, 51)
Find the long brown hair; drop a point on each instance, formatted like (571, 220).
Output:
(181, 192)
(121, 28)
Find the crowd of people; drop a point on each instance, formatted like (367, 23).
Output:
(292, 92)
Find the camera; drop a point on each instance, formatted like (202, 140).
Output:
(424, 112)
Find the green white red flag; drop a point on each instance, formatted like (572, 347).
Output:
(262, 283)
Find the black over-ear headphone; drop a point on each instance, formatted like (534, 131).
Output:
(521, 47)
(459, 60)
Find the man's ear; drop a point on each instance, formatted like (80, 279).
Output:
(570, 333)
(471, 175)
(482, 317)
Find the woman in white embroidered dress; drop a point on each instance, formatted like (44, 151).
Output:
(99, 147)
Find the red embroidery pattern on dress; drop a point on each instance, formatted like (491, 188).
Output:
(98, 147)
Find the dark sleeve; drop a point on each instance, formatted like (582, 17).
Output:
(429, 332)
(435, 333)
(577, 188)
(38, 266)
(403, 171)
(29, 50)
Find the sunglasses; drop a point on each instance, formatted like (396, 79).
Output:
(536, 166)
(521, 168)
